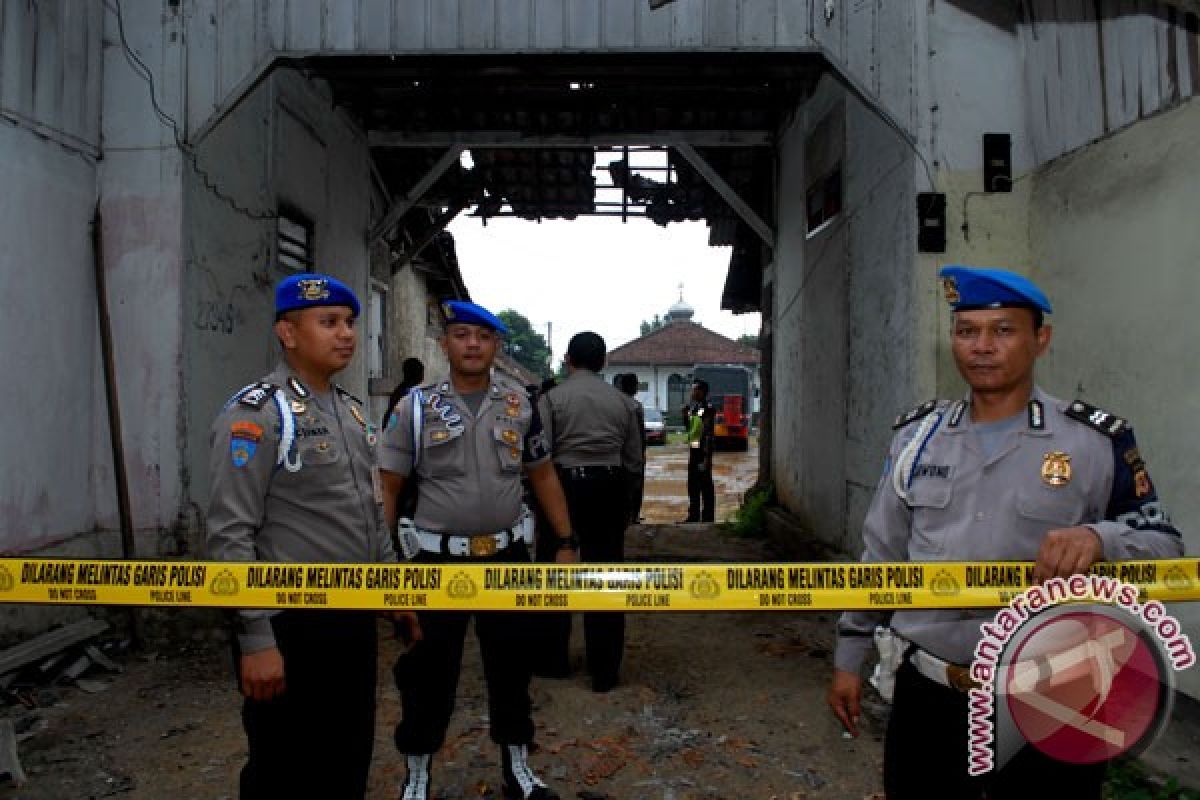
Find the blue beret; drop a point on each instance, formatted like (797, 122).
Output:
(969, 288)
(472, 314)
(308, 289)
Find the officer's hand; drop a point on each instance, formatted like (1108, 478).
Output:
(408, 626)
(1067, 551)
(845, 694)
(262, 674)
(566, 555)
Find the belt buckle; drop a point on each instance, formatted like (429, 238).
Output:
(960, 678)
(483, 546)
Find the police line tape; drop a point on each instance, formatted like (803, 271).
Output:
(555, 587)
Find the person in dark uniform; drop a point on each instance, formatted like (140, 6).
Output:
(1007, 473)
(596, 438)
(465, 439)
(412, 373)
(627, 382)
(698, 422)
(294, 479)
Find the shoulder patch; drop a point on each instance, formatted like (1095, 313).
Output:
(1097, 418)
(915, 414)
(257, 395)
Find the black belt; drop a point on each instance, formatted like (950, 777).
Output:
(585, 473)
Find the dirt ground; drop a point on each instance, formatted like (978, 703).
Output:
(711, 706)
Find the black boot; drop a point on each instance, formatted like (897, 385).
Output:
(519, 781)
(416, 781)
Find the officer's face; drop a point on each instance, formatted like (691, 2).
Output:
(995, 349)
(322, 339)
(470, 348)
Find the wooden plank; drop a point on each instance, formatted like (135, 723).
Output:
(305, 19)
(861, 43)
(1168, 80)
(687, 25)
(340, 26)
(374, 25)
(74, 69)
(202, 73)
(20, 30)
(582, 24)
(1183, 74)
(791, 23)
(549, 24)
(235, 44)
(92, 92)
(1151, 91)
(756, 22)
(411, 24)
(618, 24)
(514, 24)
(653, 27)
(720, 23)
(1113, 70)
(1043, 88)
(48, 74)
(444, 33)
(1127, 25)
(477, 25)
(50, 643)
(273, 14)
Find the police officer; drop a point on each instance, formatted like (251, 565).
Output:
(627, 382)
(465, 439)
(293, 479)
(698, 422)
(1006, 473)
(597, 442)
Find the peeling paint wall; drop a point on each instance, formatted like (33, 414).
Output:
(843, 326)
(1114, 227)
(283, 146)
(49, 134)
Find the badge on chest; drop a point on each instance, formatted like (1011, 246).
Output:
(1056, 468)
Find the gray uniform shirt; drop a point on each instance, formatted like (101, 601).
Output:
(469, 470)
(592, 424)
(963, 505)
(326, 511)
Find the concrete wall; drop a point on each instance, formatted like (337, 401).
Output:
(49, 133)
(282, 145)
(46, 444)
(1114, 227)
(843, 324)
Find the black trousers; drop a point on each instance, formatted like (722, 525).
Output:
(316, 739)
(427, 675)
(598, 504)
(925, 753)
(701, 493)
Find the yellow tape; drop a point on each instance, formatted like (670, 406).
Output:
(551, 587)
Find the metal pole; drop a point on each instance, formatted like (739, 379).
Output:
(128, 546)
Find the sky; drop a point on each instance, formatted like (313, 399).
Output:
(595, 273)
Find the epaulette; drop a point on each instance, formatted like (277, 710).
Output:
(915, 414)
(344, 393)
(1097, 418)
(256, 396)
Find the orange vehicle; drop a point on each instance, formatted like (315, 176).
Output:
(730, 393)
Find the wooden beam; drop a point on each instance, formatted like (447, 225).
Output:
(510, 139)
(50, 643)
(727, 192)
(404, 202)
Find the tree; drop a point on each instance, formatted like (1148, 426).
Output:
(525, 345)
(652, 325)
(749, 340)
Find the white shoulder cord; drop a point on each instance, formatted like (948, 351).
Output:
(418, 419)
(287, 435)
(906, 462)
